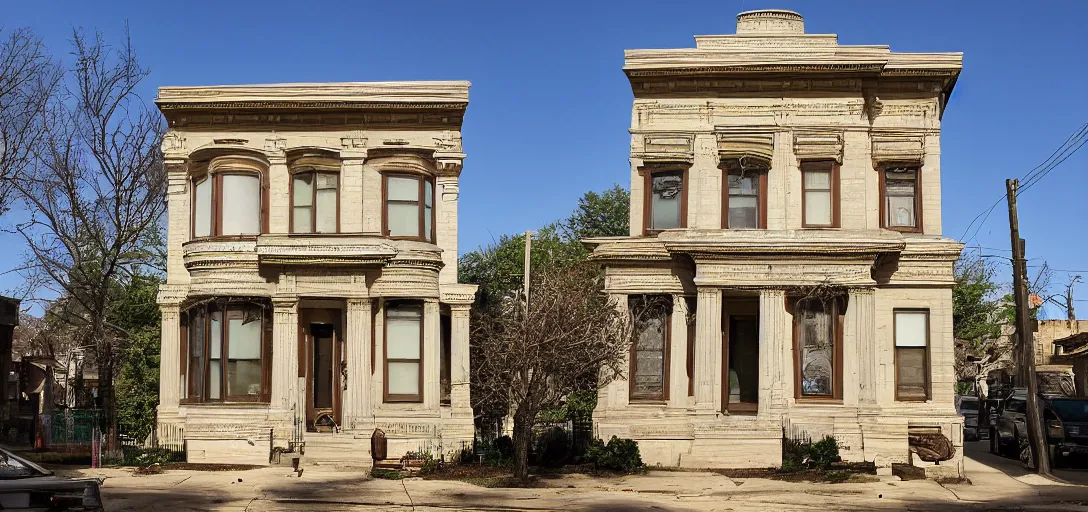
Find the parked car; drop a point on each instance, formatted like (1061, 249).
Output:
(28, 486)
(969, 408)
(1065, 419)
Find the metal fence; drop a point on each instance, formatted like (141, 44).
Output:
(165, 444)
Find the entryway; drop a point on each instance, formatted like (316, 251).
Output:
(321, 359)
(740, 354)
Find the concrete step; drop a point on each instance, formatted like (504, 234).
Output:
(336, 449)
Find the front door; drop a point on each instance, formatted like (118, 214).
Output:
(321, 363)
(741, 358)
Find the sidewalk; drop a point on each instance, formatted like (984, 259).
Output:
(269, 489)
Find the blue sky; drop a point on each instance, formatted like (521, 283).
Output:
(550, 106)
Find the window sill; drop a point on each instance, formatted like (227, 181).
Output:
(904, 229)
(225, 238)
(240, 405)
(818, 401)
(656, 402)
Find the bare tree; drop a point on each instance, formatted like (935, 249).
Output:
(530, 361)
(96, 194)
(28, 81)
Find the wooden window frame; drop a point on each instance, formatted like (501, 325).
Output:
(732, 167)
(313, 203)
(217, 204)
(831, 167)
(928, 351)
(420, 200)
(918, 222)
(838, 312)
(647, 197)
(402, 398)
(266, 355)
(666, 362)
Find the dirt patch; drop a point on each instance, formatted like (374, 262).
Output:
(210, 467)
(838, 472)
(501, 477)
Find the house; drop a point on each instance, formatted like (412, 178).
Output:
(786, 206)
(9, 320)
(1072, 350)
(312, 292)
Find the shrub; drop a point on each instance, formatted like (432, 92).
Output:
(386, 474)
(553, 448)
(617, 455)
(499, 452)
(801, 455)
(824, 452)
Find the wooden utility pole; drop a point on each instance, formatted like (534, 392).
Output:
(1040, 455)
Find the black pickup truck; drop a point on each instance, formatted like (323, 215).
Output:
(1065, 419)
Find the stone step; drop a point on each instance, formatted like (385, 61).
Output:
(336, 449)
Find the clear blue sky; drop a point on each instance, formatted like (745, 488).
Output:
(550, 106)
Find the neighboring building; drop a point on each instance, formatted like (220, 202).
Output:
(1049, 331)
(1072, 350)
(312, 290)
(786, 204)
(9, 320)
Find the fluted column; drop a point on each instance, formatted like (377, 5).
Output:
(773, 369)
(170, 358)
(863, 305)
(460, 371)
(357, 407)
(285, 354)
(432, 355)
(708, 353)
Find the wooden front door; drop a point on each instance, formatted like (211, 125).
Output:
(321, 362)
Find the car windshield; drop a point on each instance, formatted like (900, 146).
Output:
(969, 405)
(12, 467)
(1070, 410)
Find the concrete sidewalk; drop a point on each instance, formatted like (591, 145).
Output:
(278, 489)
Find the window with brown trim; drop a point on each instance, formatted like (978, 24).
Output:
(820, 194)
(409, 207)
(911, 328)
(403, 351)
(744, 198)
(228, 352)
(665, 201)
(649, 379)
(817, 344)
(315, 202)
(901, 199)
(229, 199)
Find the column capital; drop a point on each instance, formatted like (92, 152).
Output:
(861, 291)
(359, 303)
(285, 302)
(353, 156)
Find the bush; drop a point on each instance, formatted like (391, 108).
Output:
(386, 474)
(553, 448)
(617, 455)
(801, 455)
(825, 452)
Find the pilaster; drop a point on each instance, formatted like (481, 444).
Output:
(177, 211)
(861, 327)
(616, 395)
(357, 406)
(351, 187)
(170, 358)
(447, 193)
(432, 355)
(708, 354)
(279, 195)
(460, 370)
(773, 369)
(704, 189)
(678, 354)
(285, 354)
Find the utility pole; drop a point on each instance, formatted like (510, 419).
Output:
(1040, 455)
(1070, 313)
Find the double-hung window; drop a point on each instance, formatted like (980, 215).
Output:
(819, 194)
(665, 201)
(901, 199)
(404, 352)
(409, 207)
(229, 199)
(911, 354)
(315, 202)
(226, 353)
(745, 198)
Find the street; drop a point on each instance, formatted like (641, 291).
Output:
(996, 483)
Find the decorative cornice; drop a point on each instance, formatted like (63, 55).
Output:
(458, 294)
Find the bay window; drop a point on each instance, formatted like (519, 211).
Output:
(665, 201)
(404, 352)
(650, 349)
(819, 194)
(409, 207)
(226, 347)
(229, 199)
(818, 348)
(901, 199)
(315, 202)
(911, 354)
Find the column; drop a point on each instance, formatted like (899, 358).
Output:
(617, 394)
(351, 190)
(432, 355)
(447, 192)
(279, 195)
(170, 358)
(459, 360)
(862, 323)
(773, 368)
(178, 214)
(708, 354)
(678, 353)
(356, 401)
(372, 199)
(285, 355)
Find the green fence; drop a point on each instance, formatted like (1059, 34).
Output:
(72, 428)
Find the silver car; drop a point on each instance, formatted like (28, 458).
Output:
(25, 485)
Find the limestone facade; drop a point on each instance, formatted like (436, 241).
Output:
(312, 269)
(786, 204)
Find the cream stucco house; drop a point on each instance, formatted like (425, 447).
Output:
(786, 203)
(312, 290)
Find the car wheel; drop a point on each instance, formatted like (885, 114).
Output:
(1055, 456)
(995, 444)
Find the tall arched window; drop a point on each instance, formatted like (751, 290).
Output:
(229, 199)
(315, 196)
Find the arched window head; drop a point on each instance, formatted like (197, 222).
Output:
(229, 198)
(315, 193)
